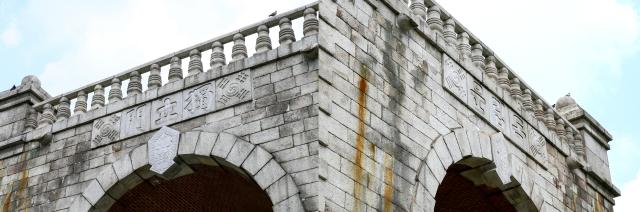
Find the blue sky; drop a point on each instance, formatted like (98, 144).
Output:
(590, 48)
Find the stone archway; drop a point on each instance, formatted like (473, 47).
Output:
(194, 147)
(481, 159)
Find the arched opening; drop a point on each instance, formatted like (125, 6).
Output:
(207, 188)
(457, 193)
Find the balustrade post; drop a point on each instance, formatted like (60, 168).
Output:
(538, 110)
(81, 103)
(286, 32)
(98, 97)
(263, 42)
(195, 62)
(239, 50)
(490, 68)
(503, 78)
(560, 129)
(449, 32)
(527, 102)
(217, 55)
(175, 70)
(463, 46)
(115, 94)
(310, 25)
(515, 90)
(32, 120)
(476, 56)
(155, 80)
(433, 19)
(47, 117)
(549, 120)
(64, 110)
(418, 8)
(135, 86)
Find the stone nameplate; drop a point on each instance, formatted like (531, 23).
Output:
(163, 147)
(483, 102)
(136, 120)
(195, 101)
(105, 130)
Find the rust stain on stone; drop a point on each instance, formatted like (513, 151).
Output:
(358, 170)
(22, 184)
(388, 186)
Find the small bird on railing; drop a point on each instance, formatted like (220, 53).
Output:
(13, 88)
(274, 13)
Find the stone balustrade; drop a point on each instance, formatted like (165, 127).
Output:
(104, 94)
(485, 66)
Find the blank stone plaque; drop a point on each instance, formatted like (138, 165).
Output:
(163, 147)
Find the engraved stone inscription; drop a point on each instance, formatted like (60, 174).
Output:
(105, 130)
(136, 120)
(476, 98)
(537, 145)
(496, 112)
(163, 147)
(199, 100)
(233, 89)
(455, 79)
(166, 110)
(518, 128)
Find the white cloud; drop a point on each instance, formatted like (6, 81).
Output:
(11, 37)
(556, 46)
(630, 196)
(127, 34)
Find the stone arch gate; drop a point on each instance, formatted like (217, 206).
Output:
(491, 164)
(193, 147)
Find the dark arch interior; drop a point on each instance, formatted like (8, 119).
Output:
(209, 188)
(456, 193)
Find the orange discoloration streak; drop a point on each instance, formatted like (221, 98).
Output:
(358, 170)
(22, 185)
(388, 187)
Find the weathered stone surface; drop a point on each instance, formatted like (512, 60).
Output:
(135, 120)
(166, 110)
(233, 89)
(163, 147)
(105, 130)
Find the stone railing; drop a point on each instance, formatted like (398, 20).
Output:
(108, 95)
(488, 68)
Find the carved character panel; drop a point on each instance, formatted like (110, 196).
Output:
(105, 130)
(455, 79)
(477, 98)
(497, 113)
(233, 89)
(166, 110)
(199, 100)
(136, 120)
(537, 145)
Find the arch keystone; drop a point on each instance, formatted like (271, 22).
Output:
(162, 148)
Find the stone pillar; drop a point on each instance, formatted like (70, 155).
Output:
(217, 55)
(263, 42)
(503, 78)
(64, 110)
(490, 68)
(239, 50)
(449, 32)
(135, 86)
(175, 70)
(463, 46)
(115, 94)
(286, 32)
(47, 117)
(476, 55)
(311, 24)
(515, 90)
(155, 80)
(98, 97)
(434, 20)
(195, 62)
(81, 103)
(418, 8)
